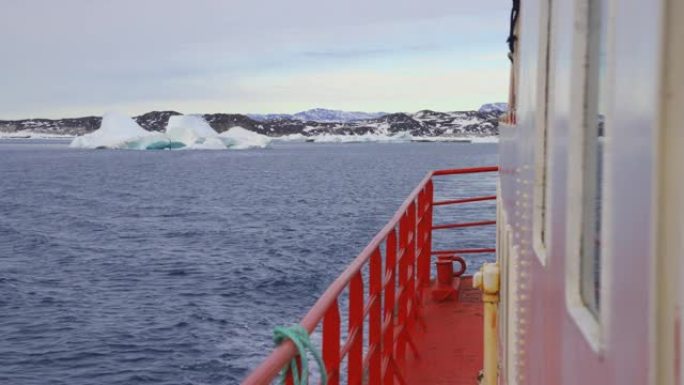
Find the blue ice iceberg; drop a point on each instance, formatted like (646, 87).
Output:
(121, 132)
(193, 132)
(182, 131)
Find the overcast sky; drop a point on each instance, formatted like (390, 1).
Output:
(74, 57)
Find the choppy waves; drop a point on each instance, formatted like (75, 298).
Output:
(173, 267)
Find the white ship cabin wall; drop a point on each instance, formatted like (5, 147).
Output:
(590, 230)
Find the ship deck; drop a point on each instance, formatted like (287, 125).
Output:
(450, 345)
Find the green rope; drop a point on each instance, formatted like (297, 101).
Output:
(300, 337)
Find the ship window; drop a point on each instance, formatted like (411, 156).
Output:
(586, 166)
(595, 112)
(541, 189)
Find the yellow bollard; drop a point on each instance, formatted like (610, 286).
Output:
(487, 280)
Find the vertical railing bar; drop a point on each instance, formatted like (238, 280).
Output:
(422, 279)
(355, 356)
(389, 304)
(411, 281)
(403, 276)
(375, 318)
(430, 198)
(331, 343)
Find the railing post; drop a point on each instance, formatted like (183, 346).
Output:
(403, 287)
(375, 319)
(412, 302)
(355, 360)
(331, 343)
(388, 314)
(424, 240)
(429, 188)
(420, 238)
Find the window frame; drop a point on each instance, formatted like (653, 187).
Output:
(541, 222)
(591, 325)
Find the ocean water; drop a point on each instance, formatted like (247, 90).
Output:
(173, 267)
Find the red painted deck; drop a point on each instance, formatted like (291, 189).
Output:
(451, 344)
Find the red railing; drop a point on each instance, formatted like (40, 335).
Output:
(394, 300)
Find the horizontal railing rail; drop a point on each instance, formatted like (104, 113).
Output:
(397, 277)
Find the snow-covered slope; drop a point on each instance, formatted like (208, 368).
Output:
(325, 115)
(267, 117)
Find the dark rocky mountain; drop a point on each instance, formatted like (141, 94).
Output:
(155, 120)
(71, 126)
(422, 123)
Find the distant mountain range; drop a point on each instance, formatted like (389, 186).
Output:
(425, 123)
(494, 107)
(321, 115)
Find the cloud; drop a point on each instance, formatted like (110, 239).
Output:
(364, 52)
(85, 56)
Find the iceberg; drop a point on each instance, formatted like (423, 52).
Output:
(121, 132)
(182, 131)
(195, 133)
(191, 131)
(238, 138)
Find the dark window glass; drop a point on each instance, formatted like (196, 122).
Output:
(593, 152)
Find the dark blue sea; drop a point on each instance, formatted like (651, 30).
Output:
(173, 267)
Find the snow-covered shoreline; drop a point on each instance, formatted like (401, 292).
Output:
(33, 135)
(374, 138)
(327, 139)
(117, 131)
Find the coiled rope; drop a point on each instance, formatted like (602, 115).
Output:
(300, 337)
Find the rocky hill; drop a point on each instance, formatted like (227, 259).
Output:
(425, 123)
(321, 115)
